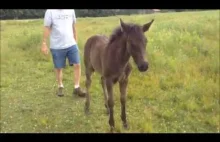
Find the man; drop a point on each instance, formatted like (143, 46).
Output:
(60, 25)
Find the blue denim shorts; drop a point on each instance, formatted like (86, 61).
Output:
(59, 56)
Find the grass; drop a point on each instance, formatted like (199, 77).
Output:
(179, 93)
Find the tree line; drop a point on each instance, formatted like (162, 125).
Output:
(39, 13)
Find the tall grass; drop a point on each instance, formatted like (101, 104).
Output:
(179, 93)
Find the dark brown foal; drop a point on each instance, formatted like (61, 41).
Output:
(110, 58)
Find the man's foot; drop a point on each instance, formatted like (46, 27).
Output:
(60, 92)
(79, 92)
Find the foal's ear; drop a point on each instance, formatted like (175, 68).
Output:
(123, 25)
(147, 26)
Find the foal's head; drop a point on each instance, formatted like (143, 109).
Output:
(136, 42)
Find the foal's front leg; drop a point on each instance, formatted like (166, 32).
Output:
(123, 88)
(109, 86)
(105, 94)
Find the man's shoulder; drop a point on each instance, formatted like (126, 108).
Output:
(51, 10)
(70, 10)
(55, 10)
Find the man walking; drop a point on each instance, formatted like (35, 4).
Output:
(60, 25)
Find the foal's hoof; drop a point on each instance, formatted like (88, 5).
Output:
(125, 126)
(112, 129)
(87, 112)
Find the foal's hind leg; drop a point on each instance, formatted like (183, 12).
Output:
(105, 94)
(88, 84)
(123, 88)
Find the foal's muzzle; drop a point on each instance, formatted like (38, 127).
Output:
(143, 67)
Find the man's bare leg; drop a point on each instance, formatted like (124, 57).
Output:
(59, 78)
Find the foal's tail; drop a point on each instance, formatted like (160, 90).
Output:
(87, 49)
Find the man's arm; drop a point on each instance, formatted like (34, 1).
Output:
(46, 34)
(74, 25)
(47, 25)
(74, 32)
(46, 31)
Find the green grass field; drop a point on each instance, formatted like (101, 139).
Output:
(179, 93)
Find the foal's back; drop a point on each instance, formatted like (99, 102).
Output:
(93, 52)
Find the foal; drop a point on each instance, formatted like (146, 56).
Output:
(110, 58)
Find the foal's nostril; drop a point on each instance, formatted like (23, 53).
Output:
(143, 67)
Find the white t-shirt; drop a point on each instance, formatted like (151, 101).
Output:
(61, 22)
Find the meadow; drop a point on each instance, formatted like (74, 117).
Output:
(178, 94)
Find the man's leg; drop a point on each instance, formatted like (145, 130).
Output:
(74, 59)
(59, 77)
(77, 75)
(59, 63)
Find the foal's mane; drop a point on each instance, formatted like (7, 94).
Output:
(133, 29)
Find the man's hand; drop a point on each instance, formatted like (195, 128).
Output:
(44, 48)
(46, 33)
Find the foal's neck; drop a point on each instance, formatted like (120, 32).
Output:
(124, 54)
